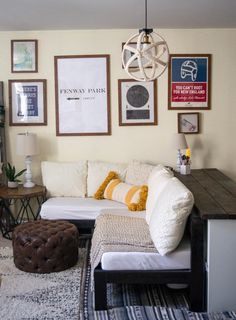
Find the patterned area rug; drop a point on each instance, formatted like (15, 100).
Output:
(66, 295)
(39, 296)
(140, 302)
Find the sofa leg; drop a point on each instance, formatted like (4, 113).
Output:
(197, 299)
(100, 293)
(197, 288)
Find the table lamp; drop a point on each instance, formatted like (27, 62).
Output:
(26, 145)
(179, 142)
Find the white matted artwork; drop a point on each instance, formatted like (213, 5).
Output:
(137, 102)
(27, 102)
(82, 86)
(24, 56)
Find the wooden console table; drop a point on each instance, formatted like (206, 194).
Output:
(27, 203)
(215, 200)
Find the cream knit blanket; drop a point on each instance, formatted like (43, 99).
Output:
(114, 233)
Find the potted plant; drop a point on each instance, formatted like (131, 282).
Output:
(10, 172)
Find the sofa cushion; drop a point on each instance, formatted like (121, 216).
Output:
(133, 196)
(81, 208)
(178, 259)
(138, 173)
(169, 216)
(156, 183)
(65, 179)
(76, 208)
(98, 171)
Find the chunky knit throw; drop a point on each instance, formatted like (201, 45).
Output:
(114, 233)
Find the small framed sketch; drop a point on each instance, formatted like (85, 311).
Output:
(137, 102)
(189, 82)
(27, 102)
(188, 122)
(24, 56)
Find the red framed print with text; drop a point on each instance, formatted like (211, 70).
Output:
(189, 82)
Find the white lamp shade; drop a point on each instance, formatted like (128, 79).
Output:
(179, 141)
(26, 144)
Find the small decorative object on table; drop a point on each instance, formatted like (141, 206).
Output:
(185, 163)
(179, 142)
(10, 172)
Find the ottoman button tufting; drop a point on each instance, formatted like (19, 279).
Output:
(45, 246)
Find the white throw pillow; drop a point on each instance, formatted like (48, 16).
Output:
(169, 216)
(156, 183)
(138, 173)
(65, 179)
(98, 171)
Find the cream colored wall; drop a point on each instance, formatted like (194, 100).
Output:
(215, 146)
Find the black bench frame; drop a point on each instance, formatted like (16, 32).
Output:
(194, 277)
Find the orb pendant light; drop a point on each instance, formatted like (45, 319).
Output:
(149, 58)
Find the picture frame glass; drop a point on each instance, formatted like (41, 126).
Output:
(27, 102)
(189, 82)
(188, 123)
(24, 55)
(137, 102)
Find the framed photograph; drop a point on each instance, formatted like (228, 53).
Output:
(188, 122)
(137, 102)
(189, 82)
(82, 85)
(27, 102)
(24, 56)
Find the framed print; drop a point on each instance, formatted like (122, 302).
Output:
(24, 56)
(189, 82)
(137, 102)
(82, 85)
(27, 102)
(188, 122)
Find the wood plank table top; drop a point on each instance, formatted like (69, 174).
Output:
(214, 193)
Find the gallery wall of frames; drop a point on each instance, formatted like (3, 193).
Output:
(70, 88)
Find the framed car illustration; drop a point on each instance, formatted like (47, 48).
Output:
(189, 82)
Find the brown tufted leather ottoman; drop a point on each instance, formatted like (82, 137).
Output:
(45, 246)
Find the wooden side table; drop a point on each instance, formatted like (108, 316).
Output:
(23, 199)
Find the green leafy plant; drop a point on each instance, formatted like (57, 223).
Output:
(10, 172)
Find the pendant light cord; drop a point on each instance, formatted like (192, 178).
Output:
(145, 14)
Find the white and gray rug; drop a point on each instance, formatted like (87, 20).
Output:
(66, 295)
(38, 296)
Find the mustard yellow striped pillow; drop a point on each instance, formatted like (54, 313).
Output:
(133, 196)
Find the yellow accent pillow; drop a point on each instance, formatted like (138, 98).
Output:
(100, 192)
(133, 196)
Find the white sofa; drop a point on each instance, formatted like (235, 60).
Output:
(71, 187)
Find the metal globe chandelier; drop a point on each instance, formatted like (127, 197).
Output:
(149, 58)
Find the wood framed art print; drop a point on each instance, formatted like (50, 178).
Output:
(188, 122)
(82, 88)
(137, 102)
(27, 102)
(189, 82)
(24, 56)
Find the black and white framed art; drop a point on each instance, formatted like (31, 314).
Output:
(137, 102)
